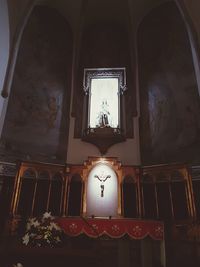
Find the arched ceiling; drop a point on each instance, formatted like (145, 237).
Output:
(86, 12)
(81, 13)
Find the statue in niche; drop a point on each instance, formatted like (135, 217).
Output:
(103, 118)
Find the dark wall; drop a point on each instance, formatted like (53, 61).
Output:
(169, 99)
(105, 45)
(37, 119)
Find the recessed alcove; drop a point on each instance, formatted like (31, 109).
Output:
(102, 191)
(104, 114)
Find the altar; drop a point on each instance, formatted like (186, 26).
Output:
(99, 207)
(114, 228)
(122, 242)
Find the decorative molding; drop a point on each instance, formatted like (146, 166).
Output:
(8, 169)
(119, 73)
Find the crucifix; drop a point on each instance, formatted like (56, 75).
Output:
(102, 178)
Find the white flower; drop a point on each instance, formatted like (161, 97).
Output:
(55, 226)
(32, 222)
(47, 215)
(36, 224)
(25, 240)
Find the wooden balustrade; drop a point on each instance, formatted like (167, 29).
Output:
(163, 192)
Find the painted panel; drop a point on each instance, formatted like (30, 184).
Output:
(36, 123)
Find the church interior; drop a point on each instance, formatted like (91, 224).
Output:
(99, 133)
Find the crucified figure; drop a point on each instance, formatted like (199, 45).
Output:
(102, 179)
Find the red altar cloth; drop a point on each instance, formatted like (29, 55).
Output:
(114, 228)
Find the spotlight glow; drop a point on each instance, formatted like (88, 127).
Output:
(102, 178)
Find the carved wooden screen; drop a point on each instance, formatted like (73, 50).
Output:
(164, 197)
(39, 187)
(149, 197)
(75, 196)
(41, 193)
(26, 195)
(166, 193)
(56, 195)
(130, 202)
(179, 196)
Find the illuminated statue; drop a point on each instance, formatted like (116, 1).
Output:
(103, 118)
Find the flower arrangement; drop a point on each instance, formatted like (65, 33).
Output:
(43, 232)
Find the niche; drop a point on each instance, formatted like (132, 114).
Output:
(102, 191)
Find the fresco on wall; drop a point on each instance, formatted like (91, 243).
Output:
(170, 106)
(36, 123)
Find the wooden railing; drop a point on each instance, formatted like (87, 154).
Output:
(170, 187)
(164, 192)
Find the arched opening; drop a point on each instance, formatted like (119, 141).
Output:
(102, 191)
(75, 196)
(41, 193)
(56, 194)
(179, 196)
(129, 197)
(164, 196)
(149, 197)
(26, 195)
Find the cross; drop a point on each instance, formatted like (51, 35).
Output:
(102, 189)
(102, 179)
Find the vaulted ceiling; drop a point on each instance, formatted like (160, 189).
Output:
(86, 12)
(81, 13)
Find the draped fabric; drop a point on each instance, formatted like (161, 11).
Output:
(114, 228)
